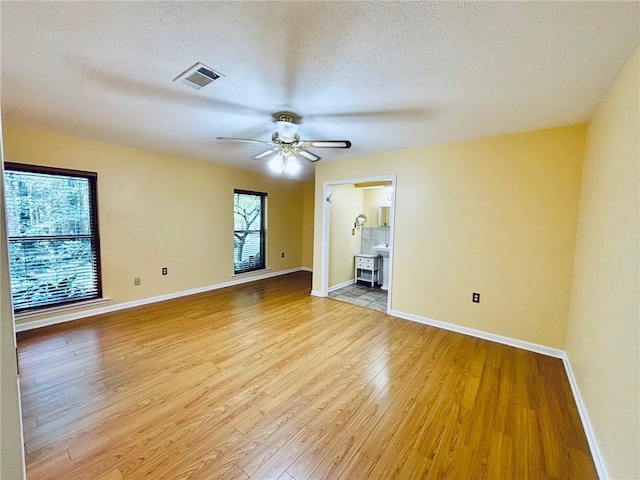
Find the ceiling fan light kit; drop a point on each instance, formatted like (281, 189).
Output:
(284, 164)
(286, 145)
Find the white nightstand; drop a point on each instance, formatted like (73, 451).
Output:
(367, 267)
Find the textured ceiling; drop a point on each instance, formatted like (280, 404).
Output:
(385, 75)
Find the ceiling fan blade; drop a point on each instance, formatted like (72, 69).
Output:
(312, 157)
(266, 153)
(327, 143)
(247, 140)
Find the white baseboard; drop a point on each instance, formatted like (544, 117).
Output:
(306, 269)
(24, 326)
(586, 422)
(342, 285)
(512, 342)
(316, 293)
(22, 443)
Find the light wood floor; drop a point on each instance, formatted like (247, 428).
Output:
(264, 381)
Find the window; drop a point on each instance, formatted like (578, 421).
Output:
(52, 224)
(249, 234)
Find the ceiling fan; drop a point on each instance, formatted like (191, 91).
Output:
(286, 145)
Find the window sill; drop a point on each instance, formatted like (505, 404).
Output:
(252, 272)
(61, 308)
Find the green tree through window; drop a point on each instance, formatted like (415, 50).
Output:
(249, 211)
(53, 236)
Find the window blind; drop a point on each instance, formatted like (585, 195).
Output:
(53, 236)
(249, 220)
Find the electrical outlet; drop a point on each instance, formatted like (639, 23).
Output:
(475, 297)
(282, 254)
(136, 281)
(164, 270)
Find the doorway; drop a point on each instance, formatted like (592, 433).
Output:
(345, 237)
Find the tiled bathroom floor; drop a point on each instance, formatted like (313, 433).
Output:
(368, 297)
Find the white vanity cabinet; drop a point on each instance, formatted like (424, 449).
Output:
(367, 268)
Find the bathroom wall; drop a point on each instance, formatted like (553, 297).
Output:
(372, 236)
(372, 198)
(344, 239)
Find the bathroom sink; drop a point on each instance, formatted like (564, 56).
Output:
(382, 250)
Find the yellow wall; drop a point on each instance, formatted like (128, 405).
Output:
(11, 441)
(157, 211)
(495, 216)
(373, 198)
(344, 240)
(307, 223)
(603, 338)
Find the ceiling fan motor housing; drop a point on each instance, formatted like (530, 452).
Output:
(286, 129)
(285, 117)
(280, 139)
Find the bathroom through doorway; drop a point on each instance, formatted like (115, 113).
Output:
(358, 241)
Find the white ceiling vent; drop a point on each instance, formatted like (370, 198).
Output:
(198, 76)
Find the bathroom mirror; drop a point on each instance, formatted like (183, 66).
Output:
(360, 219)
(384, 216)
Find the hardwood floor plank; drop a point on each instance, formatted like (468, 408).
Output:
(111, 475)
(277, 464)
(196, 443)
(357, 466)
(234, 473)
(262, 380)
(257, 447)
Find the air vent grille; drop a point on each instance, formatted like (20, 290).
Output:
(198, 76)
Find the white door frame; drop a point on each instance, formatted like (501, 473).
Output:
(326, 211)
